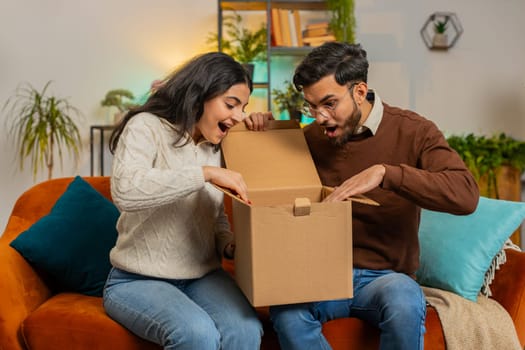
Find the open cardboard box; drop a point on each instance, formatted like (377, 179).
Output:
(290, 247)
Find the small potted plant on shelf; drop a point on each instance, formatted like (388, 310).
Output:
(289, 99)
(43, 126)
(440, 39)
(244, 45)
(122, 99)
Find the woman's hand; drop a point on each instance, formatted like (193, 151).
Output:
(258, 121)
(229, 251)
(228, 179)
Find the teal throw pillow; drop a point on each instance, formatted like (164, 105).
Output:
(71, 244)
(457, 251)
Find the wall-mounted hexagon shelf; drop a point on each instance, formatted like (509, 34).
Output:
(441, 30)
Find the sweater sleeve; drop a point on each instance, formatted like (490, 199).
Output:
(223, 234)
(440, 182)
(136, 184)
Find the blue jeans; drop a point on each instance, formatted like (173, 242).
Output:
(391, 301)
(204, 313)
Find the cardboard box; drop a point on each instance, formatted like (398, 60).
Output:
(290, 247)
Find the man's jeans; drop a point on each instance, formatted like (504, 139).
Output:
(391, 301)
(205, 313)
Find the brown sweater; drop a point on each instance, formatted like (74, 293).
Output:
(422, 171)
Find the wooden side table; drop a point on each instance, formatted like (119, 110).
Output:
(101, 129)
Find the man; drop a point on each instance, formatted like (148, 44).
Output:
(361, 145)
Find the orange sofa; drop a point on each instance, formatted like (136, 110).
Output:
(32, 317)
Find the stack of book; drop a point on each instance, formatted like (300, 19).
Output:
(286, 28)
(317, 34)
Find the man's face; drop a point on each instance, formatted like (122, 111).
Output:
(334, 107)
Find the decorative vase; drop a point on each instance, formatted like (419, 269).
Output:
(295, 115)
(440, 41)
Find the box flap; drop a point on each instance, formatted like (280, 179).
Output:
(277, 158)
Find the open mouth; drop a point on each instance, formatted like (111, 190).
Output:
(330, 130)
(223, 127)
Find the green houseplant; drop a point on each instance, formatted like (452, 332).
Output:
(342, 22)
(42, 125)
(244, 45)
(440, 39)
(289, 99)
(122, 99)
(485, 156)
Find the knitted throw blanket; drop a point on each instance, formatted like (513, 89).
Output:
(484, 325)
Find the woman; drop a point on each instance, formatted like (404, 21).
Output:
(167, 284)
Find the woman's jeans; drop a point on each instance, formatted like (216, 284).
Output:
(391, 301)
(204, 313)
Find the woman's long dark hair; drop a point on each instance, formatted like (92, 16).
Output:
(180, 99)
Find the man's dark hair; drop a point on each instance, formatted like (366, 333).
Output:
(346, 61)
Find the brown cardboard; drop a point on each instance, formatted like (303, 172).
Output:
(282, 257)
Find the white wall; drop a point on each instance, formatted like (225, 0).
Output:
(90, 47)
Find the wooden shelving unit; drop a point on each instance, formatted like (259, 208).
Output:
(266, 6)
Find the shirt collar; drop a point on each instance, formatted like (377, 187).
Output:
(376, 113)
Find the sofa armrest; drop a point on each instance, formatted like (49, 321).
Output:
(21, 288)
(508, 288)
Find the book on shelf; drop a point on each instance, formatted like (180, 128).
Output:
(298, 31)
(318, 25)
(316, 34)
(276, 28)
(285, 27)
(318, 40)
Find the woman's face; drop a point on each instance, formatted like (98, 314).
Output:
(221, 113)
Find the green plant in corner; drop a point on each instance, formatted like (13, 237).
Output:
(289, 99)
(484, 155)
(244, 45)
(42, 125)
(342, 22)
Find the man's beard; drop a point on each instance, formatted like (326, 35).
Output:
(350, 126)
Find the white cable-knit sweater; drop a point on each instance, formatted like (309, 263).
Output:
(172, 222)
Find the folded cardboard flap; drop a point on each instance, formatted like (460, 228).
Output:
(276, 164)
(360, 198)
(270, 160)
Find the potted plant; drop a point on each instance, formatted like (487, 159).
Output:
(440, 39)
(289, 99)
(342, 22)
(122, 99)
(485, 156)
(42, 125)
(244, 45)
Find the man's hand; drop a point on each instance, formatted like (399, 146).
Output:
(258, 121)
(360, 183)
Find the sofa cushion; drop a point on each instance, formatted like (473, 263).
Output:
(75, 321)
(70, 246)
(457, 250)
